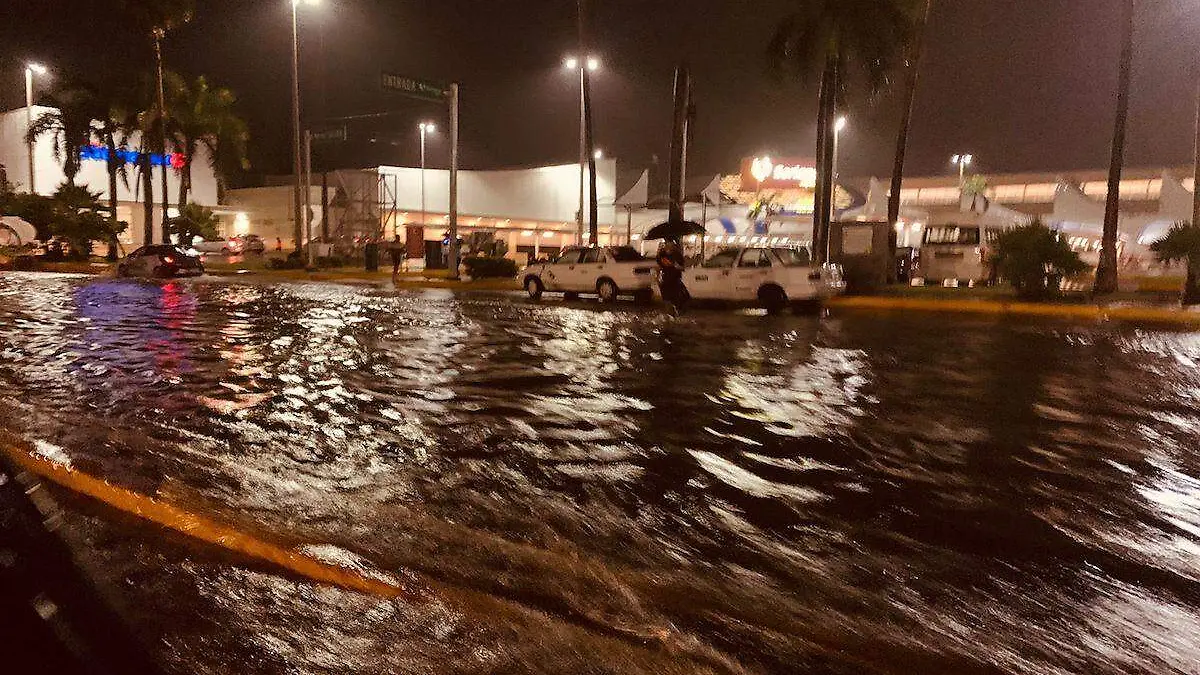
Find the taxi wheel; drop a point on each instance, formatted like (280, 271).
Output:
(607, 290)
(772, 298)
(533, 286)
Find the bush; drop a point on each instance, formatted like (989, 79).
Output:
(1035, 259)
(483, 268)
(293, 261)
(1182, 242)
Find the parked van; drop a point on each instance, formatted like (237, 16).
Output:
(956, 255)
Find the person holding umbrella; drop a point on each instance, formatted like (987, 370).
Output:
(670, 259)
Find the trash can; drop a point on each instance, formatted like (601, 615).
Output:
(372, 256)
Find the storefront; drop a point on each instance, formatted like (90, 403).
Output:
(93, 172)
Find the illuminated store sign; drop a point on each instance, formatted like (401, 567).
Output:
(779, 173)
(99, 153)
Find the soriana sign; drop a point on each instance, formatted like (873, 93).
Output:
(778, 173)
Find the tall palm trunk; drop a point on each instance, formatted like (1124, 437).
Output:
(823, 198)
(185, 178)
(1191, 287)
(1106, 271)
(162, 122)
(112, 166)
(147, 178)
(910, 86)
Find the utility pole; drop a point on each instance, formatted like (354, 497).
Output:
(297, 202)
(454, 181)
(312, 249)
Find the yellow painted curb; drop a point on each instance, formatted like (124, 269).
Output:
(1088, 312)
(204, 529)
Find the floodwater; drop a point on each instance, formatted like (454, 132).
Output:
(577, 489)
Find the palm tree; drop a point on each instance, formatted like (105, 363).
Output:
(70, 124)
(112, 130)
(1106, 270)
(160, 17)
(845, 41)
(203, 116)
(1182, 242)
(910, 86)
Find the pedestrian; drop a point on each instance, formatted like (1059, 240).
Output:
(278, 244)
(670, 274)
(396, 250)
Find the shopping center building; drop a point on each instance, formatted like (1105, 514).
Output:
(93, 173)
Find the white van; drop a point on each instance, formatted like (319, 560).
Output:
(956, 254)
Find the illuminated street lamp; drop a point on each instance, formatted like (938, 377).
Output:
(838, 126)
(31, 69)
(598, 154)
(424, 128)
(592, 64)
(297, 168)
(963, 161)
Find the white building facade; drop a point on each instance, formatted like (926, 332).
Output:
(93, 173)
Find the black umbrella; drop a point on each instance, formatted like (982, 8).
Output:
(674, 229)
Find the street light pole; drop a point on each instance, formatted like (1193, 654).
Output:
(838, 126)
(30, 69)
(297, 168)
(578, 64)
(582, 151)
(963, 161)
(312, 249)
(425, 128)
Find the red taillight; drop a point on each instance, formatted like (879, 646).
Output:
(170, 260)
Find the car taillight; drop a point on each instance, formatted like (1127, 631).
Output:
(643, 270)
(170, 260)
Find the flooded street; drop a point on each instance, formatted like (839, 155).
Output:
(569, 488)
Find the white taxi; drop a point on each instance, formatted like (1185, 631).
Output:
(771, 278)
(607, 272)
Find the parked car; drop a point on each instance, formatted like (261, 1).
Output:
(161, 261)
(222, 246)
(771, 278)
(250, 243)
(608, 272)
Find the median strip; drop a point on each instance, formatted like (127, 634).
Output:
(202, 528)
(1087, 312)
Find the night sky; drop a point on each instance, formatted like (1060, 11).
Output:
(1022, 84)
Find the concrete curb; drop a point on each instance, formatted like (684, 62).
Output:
(1180, 317)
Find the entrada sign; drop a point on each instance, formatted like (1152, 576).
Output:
(779, 173)
(411, 86)
(99, 153)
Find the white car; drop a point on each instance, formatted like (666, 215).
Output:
(771, 278)
(605, 271)
(222, 246)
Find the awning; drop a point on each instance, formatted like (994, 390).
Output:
(17, 228)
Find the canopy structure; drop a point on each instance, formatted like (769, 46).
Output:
(1074, 211)
(875, 207)
(984, 212)
(15, 231)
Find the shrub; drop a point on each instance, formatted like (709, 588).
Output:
(293, 261)
(1034, 259)
(1182, 242)
(482, 268)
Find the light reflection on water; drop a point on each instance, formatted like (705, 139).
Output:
(854, 494)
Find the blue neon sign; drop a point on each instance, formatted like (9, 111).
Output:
(99, 153)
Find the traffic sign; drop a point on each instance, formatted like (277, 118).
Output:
(411, 86)
(330, 135)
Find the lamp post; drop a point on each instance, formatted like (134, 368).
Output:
(838, 126)
(425, 129)
(30, 70)
(591, 63)
(963, 161)
(297, 166)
